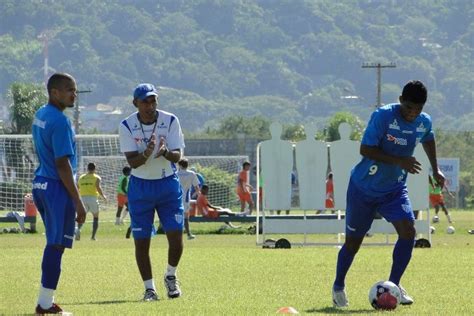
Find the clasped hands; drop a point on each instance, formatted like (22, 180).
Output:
(151, 147)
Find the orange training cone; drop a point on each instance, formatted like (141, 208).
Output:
(287, 310)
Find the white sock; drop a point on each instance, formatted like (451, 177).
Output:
(149, 284)
(46, 297)
(171, 271)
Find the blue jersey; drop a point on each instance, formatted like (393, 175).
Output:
(388, 131)
(53, 138)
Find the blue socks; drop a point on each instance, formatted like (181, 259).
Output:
(51, 267)
(401, 258)
(344, 262)
(95, 225)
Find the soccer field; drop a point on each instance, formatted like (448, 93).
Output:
(226, 274)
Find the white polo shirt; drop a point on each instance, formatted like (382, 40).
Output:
(134, 136)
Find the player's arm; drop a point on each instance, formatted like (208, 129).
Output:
(63, 166)
(430, 150)
(99, 189)
(136, 159)
(173, 155)
(124, 185)
(410, 164)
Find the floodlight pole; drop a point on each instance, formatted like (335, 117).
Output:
(379, 67)
(77, 111)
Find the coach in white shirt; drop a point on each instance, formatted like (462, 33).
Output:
(152, 142)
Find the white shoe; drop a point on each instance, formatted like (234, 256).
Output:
(405, 298)
(172, 286)
(191, 237)
(150, 295)
(339, 298)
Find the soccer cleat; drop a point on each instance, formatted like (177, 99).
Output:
(405, 298)
(54, 309)
(190, 237)
(150, 295)
(172, 286)
(77, 234)
(339, 298)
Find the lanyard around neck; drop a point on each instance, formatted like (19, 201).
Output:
(152, 132)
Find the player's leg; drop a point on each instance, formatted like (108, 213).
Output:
(445, 210)
(251, 203)
(171, 213)
(118, 214)
(56, 210)
(187, 209)
(399, 212)
(142, 210)
(359, 218)
(124, 211)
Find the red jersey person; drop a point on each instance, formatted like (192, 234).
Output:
(244, 188)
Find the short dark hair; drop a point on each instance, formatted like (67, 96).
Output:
(126, 170)
(204, 187)
(246, 163)
(90, 166)
(415, 91)
(183, 162)
(57, 80)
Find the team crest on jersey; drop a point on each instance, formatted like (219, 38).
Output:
(421, 128)
(397, 140)
(162, 125)
(394, 125)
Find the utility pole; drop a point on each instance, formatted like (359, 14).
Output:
(77, 111)
(379, 67)
(45, 37)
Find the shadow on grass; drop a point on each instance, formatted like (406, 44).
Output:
(104, 302)
(333, 310)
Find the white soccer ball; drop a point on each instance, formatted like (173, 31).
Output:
(384, 295)
(432, 229)
(450, 230)
(435, 219)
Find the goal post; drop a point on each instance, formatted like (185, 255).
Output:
(18, 163)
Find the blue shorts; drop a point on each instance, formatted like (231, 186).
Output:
(57, 210)
(147, 196)
(361, 209)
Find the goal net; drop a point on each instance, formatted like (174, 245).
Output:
(18, 162)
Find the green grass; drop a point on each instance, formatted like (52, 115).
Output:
(228, 274)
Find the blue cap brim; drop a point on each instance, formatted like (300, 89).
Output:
(148, 94)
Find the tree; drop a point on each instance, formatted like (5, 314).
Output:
(26, 99)
(332, 131)
(232, 126)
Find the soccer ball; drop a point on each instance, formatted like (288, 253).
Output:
(432, 229)
(384, 295)
(450, 230)
(435, 219)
